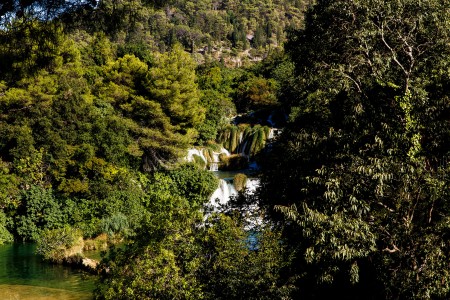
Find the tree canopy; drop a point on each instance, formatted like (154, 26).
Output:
(100, 100)
(360, 171)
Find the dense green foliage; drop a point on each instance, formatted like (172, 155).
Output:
(95, 97)
(183, 260)
(210, 29)
(76, 134)
(59, 244)
(203, 26)
(5, 235)
(361, 172)
(100, 100)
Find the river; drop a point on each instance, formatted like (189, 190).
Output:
(24, 276)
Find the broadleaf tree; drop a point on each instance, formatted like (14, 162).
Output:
(359, 175)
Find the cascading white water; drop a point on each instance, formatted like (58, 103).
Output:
(271, 134)
(226, 187)
(214, 164)
(224, 151)
(192, 152)
(214, 167)
(223, 193)
(220, 193)
(215, 157)
(252, 185)
(226, 190)
(241, 150)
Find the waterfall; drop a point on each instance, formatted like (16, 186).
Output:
(242, 149)
(271, 133)
(213, 161)
(222, 194)
(224, 151)
(215, 157)
(214, 167)
(192, 152)
(226, 189)
(252, 185)
(239, 139)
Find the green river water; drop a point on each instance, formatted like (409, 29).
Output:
(23, 275)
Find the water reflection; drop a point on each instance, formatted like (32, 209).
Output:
(27, 292)
(21, 271)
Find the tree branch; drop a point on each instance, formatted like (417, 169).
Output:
(393, 250)
(394, 57)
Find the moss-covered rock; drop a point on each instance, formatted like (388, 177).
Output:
(240, 182)
(198, 161)
(244, 138)
(233, 162)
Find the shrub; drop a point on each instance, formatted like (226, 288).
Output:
(58, 245)
(40, 210)
(115, 225)
(5, 236)
(98, 243)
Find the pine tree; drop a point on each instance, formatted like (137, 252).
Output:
(172, 83)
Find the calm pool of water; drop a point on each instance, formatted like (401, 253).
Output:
(23, 275)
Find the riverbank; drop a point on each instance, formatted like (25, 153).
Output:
(26, 292)
(23, 275)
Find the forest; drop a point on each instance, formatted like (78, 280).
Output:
(113, 113)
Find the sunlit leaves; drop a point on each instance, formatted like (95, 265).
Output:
(172, 84)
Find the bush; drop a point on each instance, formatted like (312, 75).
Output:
(58, 245)
(98, 243)
(192, 184)
(5, 235)
(115, 225)
(40, 210)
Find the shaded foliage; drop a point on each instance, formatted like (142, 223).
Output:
(354, 176)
